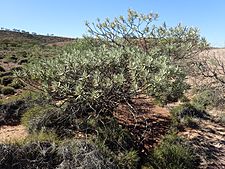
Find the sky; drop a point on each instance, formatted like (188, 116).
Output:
(67, 17)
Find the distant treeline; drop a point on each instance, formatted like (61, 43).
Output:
(23, 31)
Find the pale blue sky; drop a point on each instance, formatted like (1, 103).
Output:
(67, 17)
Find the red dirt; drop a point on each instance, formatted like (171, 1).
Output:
(209, 143)
(146, 121)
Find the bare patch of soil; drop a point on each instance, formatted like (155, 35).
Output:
(12, 133)
(146, 121)
(209, 142)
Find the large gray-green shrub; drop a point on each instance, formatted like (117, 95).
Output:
(99, 79)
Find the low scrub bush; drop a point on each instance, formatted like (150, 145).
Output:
(83, 154)
(2, 69)
(34, 112)
(6, 80)
(41, 137)
(209, 98)
(173, 153)
(222, 118)
(13, 58)
(53, 120)
(185, 114)
(10, 113)
(30, 96)
(7, 90)
(31, 155)
(114, 141)
(17, 84)
(23, 61)
(17, 68)
(5, 74)
(91, 82)
(1, 86)
(51, 155)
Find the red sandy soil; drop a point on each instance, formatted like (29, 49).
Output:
(209, 143)
(146, 121)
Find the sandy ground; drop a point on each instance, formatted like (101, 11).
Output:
(12, 133)
(209, 142)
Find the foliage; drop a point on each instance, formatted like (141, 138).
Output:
(185, 114)
(184, 99)
(113, 136)
(1, 86)
(41, 137)
(2, 69)
(6, 80)
(85, 43)
(104, 77)
(13, 108)
(17, 68)
(208, 98)
(222, 118)
(178, 43)
(89, 79)
(8, 73)
(210, 70)
(173, 153)
(56, 120)
(7, 90)
(17, 84)
(114, 141)
(34, 112)
(32, 155)
(29, 96)
(10, 113)
(83, 154)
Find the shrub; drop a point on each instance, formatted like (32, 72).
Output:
(41, 137)
(31, 155)
(112, 140)
(23, 61)
(82, 44)
(10, 113)
(34, 112)
(208, 98)
(8, 90)
(113, 136)
(105, 76)
(2, 55)
(17, 84)
(13, 58)
(30, 97)
(1, 86)
(183, 115)
(5, 74)
(173, 153)
(6, 80)
(222, 119)
(115, 142)
(2, 69)
(179, 43)
(17, 68)
(83, 154)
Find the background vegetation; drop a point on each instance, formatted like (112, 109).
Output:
(77, 88)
